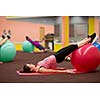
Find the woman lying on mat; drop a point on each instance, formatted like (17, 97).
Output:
(49, 64)
(5, 36)
(36, 44)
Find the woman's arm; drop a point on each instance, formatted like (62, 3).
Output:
(42, 69)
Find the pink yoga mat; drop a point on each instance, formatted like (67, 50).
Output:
(25, 74)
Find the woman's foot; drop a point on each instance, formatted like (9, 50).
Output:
(3, 36)
(93, 37)
(8, 36)
(73, 71)
(9, 32)
(27, 37)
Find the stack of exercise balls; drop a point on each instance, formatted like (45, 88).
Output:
(86, 58)
(7, 52)
(27, 46)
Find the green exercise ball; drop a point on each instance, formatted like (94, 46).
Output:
(27, 46)
(7, 52)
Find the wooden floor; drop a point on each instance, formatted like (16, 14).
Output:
(8, 71)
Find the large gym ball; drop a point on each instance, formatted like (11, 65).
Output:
(86, 58)
(27, 46)
(7, 52)
(97, 45)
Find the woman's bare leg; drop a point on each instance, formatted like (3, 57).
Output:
(3, 41)
(83, 42)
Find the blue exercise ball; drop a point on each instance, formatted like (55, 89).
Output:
(7, 52)
(96, 44)
(27, 46)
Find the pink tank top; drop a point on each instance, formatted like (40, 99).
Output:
(49, 62)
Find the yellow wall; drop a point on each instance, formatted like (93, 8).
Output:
(91, 22)
(56, 47)
(18, 47)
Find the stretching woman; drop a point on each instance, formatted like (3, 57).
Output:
(36, 44)
(68, 58)
(49, 64)
(5, 36)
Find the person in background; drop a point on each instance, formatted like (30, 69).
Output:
(36, 44)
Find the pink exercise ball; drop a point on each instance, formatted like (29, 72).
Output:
(86, 58)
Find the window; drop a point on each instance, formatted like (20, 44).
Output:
(57, 31)
(77, 32)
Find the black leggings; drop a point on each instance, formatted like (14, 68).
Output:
(62, 53)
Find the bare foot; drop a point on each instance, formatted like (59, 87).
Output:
(73, 71)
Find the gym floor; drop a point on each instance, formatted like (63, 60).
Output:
(8, 71)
